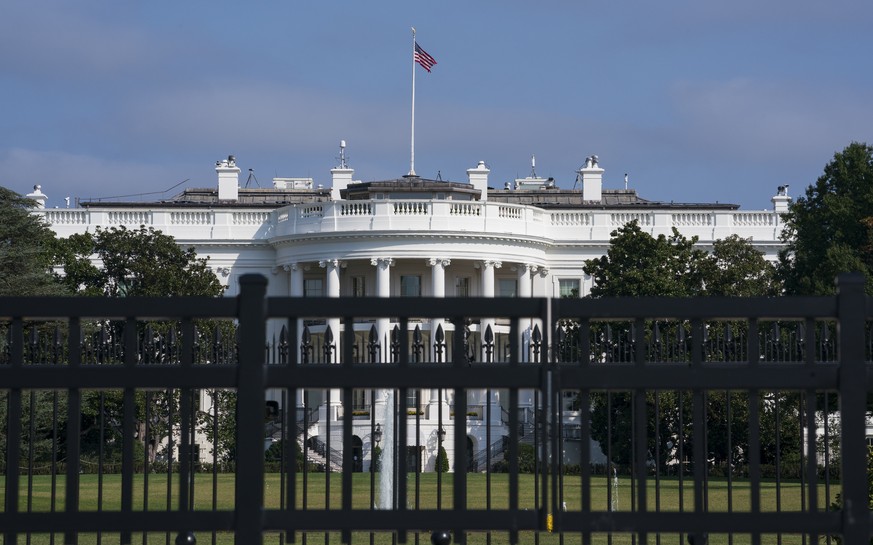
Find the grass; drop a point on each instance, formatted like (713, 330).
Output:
(36, 495)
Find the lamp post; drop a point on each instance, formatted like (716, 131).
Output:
(376, 452)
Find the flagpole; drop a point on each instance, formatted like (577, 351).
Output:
(412, 140)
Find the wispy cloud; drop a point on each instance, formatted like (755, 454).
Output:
(51, 40)
(63, 174)
(766, 121)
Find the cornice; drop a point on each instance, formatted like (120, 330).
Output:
(426, 236)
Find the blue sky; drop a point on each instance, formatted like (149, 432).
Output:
(696, 101)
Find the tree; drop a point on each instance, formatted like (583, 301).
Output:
(442, 461)
(138, 262)
(638, 264)
(735, 268)
(26, 249)
(829, 230)
(121, 262)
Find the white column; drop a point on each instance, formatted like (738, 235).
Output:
(295, 289)
(332, 285)
(525, 273)
(295, 279)
(487, 291)
(383, 289)
(525, 396)
(438, 289)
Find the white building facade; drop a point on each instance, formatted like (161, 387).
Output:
(413, 237)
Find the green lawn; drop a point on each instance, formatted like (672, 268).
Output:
(720, 497)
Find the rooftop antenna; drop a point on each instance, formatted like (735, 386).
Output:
(342, 157)
(625, 180)
(439, 176)
(533, 166)
(252, 177)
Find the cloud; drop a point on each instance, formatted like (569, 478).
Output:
(63, 41)
(65, 174)
(765, 121)
(225, 114)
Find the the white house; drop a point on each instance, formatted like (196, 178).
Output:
(411, 237)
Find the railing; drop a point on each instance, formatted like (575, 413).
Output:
(487, 457)
(704, 407)
(437, 215)
(332, 456)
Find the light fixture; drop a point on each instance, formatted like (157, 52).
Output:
(377, 434)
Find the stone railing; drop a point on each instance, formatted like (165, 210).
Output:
(500, 220)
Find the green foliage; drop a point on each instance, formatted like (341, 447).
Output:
(121, 262)
(273, 456)
(219, 424)
(41, 412)
(671, 415)
(138, 262)
(376, 463)
(829, 230)
(638, 264)
(442, 461)
(526, 460)
(837, 504)
(735, 268)
(27, 248)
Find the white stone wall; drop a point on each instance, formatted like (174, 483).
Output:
(485, 242)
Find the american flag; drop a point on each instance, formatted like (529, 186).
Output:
(422, 58)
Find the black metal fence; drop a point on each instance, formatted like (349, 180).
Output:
(617, 420)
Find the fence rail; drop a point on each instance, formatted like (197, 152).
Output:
(673, 390)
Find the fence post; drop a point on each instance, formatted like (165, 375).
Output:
(251, 399)
(852, 312)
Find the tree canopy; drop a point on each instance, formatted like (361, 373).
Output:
(26, 249)
(638, 264)
(134, 262)
(829, 230)
(735, 268)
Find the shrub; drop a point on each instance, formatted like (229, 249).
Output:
(442, 461)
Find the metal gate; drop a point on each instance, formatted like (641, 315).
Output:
(733, 420)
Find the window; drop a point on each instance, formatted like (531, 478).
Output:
(359, 287)
(313, 287)
(410, 286)
(568, 287)
(360, 402)
(507, 287)
(463, 287)
(412, 406)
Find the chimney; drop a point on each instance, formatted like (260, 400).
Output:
(781, 199)
(478, 178)
(592, 179)
(38, 196)
(228, 179)
(341, 176)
